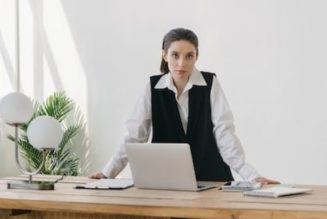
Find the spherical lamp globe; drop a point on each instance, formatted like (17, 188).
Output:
(16, 108)
(45, 132)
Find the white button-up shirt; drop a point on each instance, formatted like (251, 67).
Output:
(140, 122)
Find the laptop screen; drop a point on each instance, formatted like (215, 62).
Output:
(162, 166)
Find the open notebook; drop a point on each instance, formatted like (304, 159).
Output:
(107, 184)
(277, 191)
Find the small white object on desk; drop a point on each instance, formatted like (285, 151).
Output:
(277, 191)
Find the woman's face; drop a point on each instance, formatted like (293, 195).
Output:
(181, 57)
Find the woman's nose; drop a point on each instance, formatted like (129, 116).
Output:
(181, 62)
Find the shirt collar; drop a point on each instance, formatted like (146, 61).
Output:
(166, 81)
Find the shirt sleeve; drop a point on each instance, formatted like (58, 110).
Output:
(228, 143)
(138, 131)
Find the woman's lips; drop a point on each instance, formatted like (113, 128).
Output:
(180, 71)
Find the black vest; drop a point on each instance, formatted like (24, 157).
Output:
(168, 128)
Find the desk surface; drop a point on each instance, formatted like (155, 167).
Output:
(155, 203)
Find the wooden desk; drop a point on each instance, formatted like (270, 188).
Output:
(67, 202)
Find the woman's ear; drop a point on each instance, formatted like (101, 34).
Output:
(164, 55)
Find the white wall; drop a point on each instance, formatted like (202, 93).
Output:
(270, 57)
(8, 79)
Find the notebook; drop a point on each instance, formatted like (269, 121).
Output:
(240, 186)
(277, 191)
(107, 184)
(164, 166)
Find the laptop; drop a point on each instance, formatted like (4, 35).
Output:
(164, 166)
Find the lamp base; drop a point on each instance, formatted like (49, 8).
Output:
(34, 185)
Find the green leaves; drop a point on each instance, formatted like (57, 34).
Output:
(62, 161)
(57, 105)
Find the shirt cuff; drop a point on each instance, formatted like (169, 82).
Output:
(248, 173)
(110, 170)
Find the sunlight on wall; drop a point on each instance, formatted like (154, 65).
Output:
(50, 62)
(7, 47)
(7, 80)
(70, 74)
(27, 26)
(49, 53)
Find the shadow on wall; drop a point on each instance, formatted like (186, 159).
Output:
(9, 84)
(80, 144)
(8, 64)
(43, 54)
(92, 27)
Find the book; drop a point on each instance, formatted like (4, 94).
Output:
(277, 191)
(120, 183)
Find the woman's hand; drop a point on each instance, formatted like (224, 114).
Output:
(97, 175)
(265, 181)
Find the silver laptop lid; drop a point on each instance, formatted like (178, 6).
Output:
(162, 166)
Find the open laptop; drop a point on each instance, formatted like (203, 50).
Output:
(164, 166)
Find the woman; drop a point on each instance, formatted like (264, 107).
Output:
(184, 105)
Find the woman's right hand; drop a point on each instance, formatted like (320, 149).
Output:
(97, 175)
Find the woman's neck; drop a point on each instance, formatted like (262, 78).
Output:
(180, 84)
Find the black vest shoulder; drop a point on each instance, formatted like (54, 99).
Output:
(168, 128)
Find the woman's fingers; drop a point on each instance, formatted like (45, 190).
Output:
(266, 181)
(97, 175)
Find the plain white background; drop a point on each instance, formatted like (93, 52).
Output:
(270, 57)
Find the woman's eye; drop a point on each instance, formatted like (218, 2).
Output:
(189, 56)
(175, 55)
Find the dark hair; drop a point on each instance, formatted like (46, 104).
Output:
(176, 35)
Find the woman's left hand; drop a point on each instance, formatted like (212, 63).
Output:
(265, 181)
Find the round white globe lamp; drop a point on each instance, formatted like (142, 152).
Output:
(16, 108)
(44, 133)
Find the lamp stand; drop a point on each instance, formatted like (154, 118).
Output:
(34, 185)
(29, 184)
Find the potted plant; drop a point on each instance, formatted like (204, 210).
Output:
(62, 161)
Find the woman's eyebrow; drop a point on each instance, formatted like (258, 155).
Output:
(190, 52)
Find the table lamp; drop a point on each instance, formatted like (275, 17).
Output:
(43, 133)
